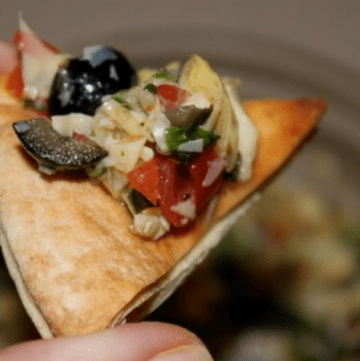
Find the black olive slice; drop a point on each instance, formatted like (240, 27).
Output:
(53, 151)
(188, 115)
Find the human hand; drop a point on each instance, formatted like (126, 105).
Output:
(146, 341)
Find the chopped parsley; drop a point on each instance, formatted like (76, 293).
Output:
(162, 75)
(176, 136)
(122, 101)
(97, 172)
(151, 88)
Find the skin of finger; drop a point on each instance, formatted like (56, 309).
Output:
(129, 342)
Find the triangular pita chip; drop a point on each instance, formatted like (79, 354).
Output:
(77, 267)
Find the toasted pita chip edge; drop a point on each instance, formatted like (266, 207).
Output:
(154, 294)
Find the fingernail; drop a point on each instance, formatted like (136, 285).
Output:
(188, 353)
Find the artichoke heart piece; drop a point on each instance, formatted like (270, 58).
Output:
(198, 76)
(228, 129)
(124, 117)
(53, 151)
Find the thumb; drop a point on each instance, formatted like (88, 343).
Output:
(147, 341)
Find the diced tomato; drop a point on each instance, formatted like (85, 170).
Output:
(15, 82)
(145, 179)
(165, 182)
(17, 38)
(174, 186)
(170, 96)
(198, 171)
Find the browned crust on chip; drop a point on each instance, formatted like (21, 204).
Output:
(71, 241)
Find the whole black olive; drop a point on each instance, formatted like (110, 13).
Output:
(79, 85)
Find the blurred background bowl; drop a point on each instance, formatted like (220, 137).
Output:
(286, 276)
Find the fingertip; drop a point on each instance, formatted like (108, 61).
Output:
(136, 341)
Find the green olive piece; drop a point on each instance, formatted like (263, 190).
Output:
(188, 115)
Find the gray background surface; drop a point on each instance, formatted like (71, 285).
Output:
(330, 27)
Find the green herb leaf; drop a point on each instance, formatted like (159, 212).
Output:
(122, 101)
(97, 172)
(151, 88)
(176, 136)
(162, 75)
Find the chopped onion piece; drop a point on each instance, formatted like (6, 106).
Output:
(159, 81)
(248, 134)
(123, 117)
(39, 64)
(103, 120)
(66, 125)
(101, 134)
(109, 105)
(103, 127)
(114, 181)
(195, 146)
(146, 99)
(145, 74)
(173, 67)
(215, 168)
(211, 209)
(186, 208)
(198, 99)
(147, 154)
(138, 116)
(151, 226)
(107, 162)
(125, 153)
(158, 128)
(119, 181)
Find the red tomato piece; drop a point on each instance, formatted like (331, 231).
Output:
(198, 170)
(145, 179)
(174, 187)
(15, 82)
(162, 180)
(170, 96)
(17, 38)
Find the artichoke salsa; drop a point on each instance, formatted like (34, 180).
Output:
(163, 141)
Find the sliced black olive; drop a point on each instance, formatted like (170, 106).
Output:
(187, 115)
(79, 85)
(53, 151)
